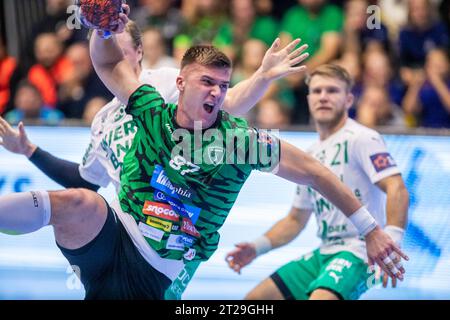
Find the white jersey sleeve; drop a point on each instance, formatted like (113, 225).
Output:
(373, 157)
(164, 81)
(112, 131)
(91, 168)
(302, 199)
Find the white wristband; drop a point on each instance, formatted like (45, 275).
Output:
(363, 221)
(262, 245)
(396, 233)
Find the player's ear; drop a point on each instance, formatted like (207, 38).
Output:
(180, 83)
(140, 52)
(349, 100)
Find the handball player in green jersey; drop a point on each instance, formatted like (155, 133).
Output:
(178, 189)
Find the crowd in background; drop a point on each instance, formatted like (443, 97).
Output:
(400, 62)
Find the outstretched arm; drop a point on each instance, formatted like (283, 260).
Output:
(301, 168)
(61, 171)
(283, 232)
(397, 203)
(110, 64)
(276, 64)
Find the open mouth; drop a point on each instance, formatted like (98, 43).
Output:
(208, 107)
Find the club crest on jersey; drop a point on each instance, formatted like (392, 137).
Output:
(382, 161)
(216, 154)
(120, 114)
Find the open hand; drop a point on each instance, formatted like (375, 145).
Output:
(15, 140)
(244, 253)
(281, 63)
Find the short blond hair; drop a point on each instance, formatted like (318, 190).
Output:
(332, 71)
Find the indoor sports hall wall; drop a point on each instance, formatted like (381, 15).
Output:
(31, 267)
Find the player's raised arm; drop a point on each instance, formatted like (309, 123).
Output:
(297, 166)
(277, 63)
(109, 61)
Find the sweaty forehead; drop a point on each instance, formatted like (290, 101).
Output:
(196, 70)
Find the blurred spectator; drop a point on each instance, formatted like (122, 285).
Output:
(7, 66)
(29, 104)
(428, 96)
(82, 83)
(159, 14)
(378, 71)
(395, 15)
(155, 55)
(357, 35)
(51, 69)
(376, 109)
(444, 10)
(245, 23)
(423, 33)
(319, 25)
(271, 114)
(280, 8)
(204, 19)
(55, 21)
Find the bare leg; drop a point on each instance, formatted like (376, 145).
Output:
(266, 290)
(78, 215)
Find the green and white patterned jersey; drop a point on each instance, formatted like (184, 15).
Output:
(181, 199)
(112, 131)
(359, 157)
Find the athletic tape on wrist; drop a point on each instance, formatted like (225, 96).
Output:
(262, 245)
(363, 221)
(396, 233)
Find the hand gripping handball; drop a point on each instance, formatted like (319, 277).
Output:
(99, 14)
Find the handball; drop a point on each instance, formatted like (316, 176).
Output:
(99, 14)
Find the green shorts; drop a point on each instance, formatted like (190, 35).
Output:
(342, 273)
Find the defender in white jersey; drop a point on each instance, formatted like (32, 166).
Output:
(112, 133)
(358, 155)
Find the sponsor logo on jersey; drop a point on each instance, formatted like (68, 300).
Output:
(160, 224)
(150, 232)
(187, 241)
(174, 242)
(189, 228)
(182, 209)
(215, 154)
(335, 276)
(159, 196)
(160, 210)
(190, 254)
(382, 161)
(161, 182)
